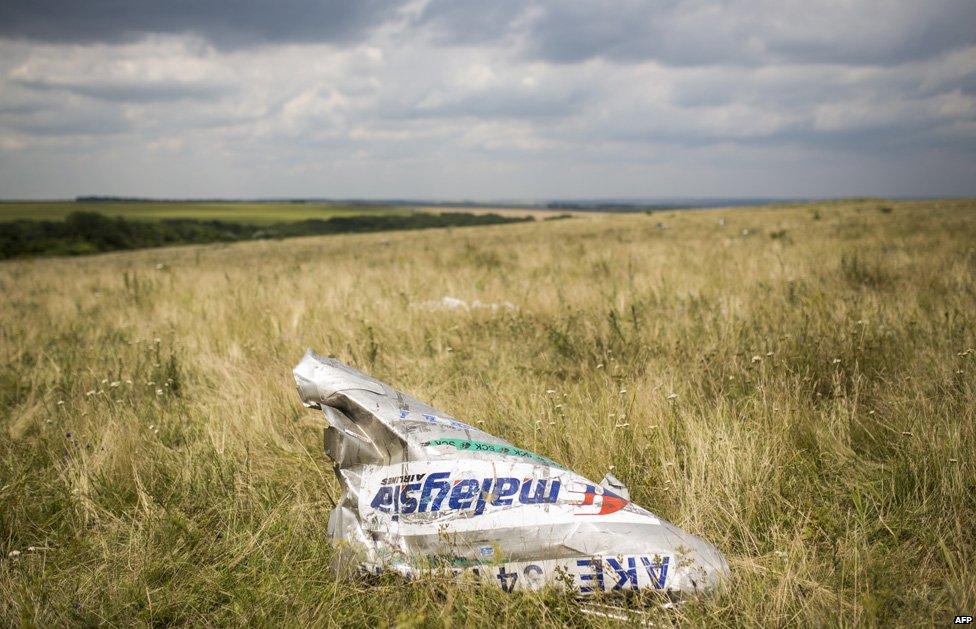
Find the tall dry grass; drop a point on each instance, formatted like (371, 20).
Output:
(795, 385)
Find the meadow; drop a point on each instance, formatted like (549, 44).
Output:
(795, 384)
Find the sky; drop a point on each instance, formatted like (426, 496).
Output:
(505, 99)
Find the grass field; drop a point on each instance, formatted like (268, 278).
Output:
(237, 211)
(796, 385)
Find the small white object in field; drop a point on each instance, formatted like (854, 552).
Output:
(453, 303)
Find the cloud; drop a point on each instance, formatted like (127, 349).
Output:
(142, 92)
(161, 70)
(504, 99)
(701, 33)
(227, 25)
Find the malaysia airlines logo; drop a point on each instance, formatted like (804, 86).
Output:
(437, 493)
(430, 493)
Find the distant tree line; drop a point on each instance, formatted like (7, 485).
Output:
(113, 199)
(89, 232)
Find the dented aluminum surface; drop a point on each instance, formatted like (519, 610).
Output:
(423, 491)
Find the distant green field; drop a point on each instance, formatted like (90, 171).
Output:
(253, 213)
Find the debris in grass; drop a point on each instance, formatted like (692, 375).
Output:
(453, 303)
(424, 493)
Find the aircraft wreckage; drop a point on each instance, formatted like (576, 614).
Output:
(425, 492)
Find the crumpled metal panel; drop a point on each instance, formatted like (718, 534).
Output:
(424, 491)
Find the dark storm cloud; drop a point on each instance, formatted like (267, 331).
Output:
(699, 33)
(226, 24)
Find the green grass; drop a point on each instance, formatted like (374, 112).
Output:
(236, 212)
(797, 385)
